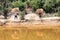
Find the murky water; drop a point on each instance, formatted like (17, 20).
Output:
(29, 34)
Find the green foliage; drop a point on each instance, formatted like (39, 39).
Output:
(18, 4)
(34, 5)
(47, 5)
(1, 7)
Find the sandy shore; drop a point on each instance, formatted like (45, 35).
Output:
(33, 25)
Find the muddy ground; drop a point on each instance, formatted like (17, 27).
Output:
(32, 30)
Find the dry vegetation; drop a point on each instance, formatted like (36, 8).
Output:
(30, 31)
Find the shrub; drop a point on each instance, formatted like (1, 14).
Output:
(1, 7)
(18, 4)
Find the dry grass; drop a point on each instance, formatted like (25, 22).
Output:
(30, 31)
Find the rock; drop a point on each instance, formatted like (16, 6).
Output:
(32, 16)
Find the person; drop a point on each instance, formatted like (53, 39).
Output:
(28, 10)
(15, 14)
(40, 12)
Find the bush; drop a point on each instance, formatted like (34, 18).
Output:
(18, 4)
(47, 5)
(1, 7)
(37, 4)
